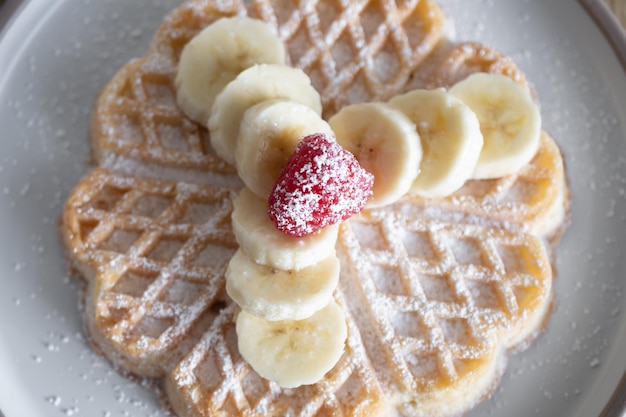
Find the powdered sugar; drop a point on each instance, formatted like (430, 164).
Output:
(321, 185)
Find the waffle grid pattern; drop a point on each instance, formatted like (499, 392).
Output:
(468, 280)
(138, 116)
(163, 249)
(141, 98)
(465, 58)
(352, 59)
(215, 372)
(522, 198)
(349, 59)
(447, 303)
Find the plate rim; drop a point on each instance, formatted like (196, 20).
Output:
(609, 25)
(9, 10)
(615, 33)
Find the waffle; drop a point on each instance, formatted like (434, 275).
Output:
(138, 127)
(445, 302)
(437, 303)
(452, 62)
(531, 200)
(435, 291)
(139, 130)
(154, 255)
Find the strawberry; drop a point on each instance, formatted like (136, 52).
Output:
(322, 184)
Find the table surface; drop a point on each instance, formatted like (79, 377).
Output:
(619, 8)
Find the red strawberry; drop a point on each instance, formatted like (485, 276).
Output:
(322, 184)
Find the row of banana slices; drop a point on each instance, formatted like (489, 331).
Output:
(430, 142)
(425, 142)
(232, 79)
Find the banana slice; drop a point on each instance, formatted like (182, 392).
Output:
(450, 137)
(386, 144)
(293, 352)
(273, 294)
(216, 55)
(268, 136)
(509, 120)
(260, 240)
(254, 85)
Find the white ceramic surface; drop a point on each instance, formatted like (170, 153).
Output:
(55, 56)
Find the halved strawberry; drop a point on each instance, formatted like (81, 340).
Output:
(322, 184)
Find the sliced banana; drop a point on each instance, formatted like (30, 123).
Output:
(450, 136)
(274, 294)
(293, 352)
(254, 85)
(268, 136)
(386, 144)
(509, 120)
(216, 55)
(260, 240)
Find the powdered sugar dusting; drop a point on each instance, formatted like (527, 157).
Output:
(457, 293)
(321, 185)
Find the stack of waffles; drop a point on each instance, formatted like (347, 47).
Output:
(436, 292)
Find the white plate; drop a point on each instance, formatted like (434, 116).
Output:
(55, 56)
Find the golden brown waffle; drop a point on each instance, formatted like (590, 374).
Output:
(452, 63)
(432, 306)
(137, 125)
(138, 129)
(435, 291)
(215, 380)
(521, 201)
(154, 255)
(524, 199)
(441, 303)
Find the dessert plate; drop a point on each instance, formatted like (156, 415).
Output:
(55, 57)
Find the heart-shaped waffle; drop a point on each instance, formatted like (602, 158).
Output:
(435, 291)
